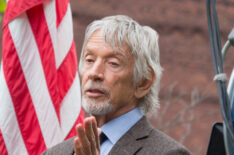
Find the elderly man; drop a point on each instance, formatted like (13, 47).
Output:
(120, 75)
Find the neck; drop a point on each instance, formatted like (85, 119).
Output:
(103, 119)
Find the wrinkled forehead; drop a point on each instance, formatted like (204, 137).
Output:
(117, 45)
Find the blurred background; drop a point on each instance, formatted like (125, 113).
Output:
(188, 97)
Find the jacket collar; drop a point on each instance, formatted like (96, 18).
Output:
(133, 140)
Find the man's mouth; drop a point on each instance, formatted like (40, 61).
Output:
(94, 92)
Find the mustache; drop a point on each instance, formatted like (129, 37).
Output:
(96, 85)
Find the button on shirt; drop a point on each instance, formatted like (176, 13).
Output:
(117, 127)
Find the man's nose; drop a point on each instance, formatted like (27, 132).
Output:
(97, 71)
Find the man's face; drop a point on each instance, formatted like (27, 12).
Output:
(107, 78)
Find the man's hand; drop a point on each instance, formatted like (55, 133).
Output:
(87, 142)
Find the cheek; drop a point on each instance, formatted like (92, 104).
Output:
(122, 86)
(84, 79)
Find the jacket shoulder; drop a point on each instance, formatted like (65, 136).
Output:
(65, 147)
(143, 139)
(163, 144)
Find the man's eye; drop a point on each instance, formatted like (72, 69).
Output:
(89, 60)
(114, 64)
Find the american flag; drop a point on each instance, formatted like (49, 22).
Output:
(39, 84)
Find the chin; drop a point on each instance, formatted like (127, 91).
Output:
(101, 108)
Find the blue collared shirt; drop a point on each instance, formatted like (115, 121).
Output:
(117, 127)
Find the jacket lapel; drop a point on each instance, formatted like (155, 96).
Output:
(133, 141)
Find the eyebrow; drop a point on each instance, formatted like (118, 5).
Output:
(88, 50)
(115, 53)
(119, 53)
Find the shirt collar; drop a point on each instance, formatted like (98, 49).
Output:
(117, 127)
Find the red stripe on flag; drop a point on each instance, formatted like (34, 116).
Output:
(61, 9)
(41, 32)
(20, 95)
(80, 119)
(3, 149)
(17, 7)
(67, 71)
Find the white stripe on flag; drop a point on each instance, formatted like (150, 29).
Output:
(8, 122)
(34, 75)
(63, 36)
(71, 106)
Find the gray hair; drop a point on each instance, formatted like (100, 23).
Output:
(143, 44)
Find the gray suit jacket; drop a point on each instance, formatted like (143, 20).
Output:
(141, 139)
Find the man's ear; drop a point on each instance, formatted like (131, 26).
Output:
(144, 86)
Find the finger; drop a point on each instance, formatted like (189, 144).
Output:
(99, 131)
(83, 140)
(78, 147)
(90, 134)
(96, 133)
